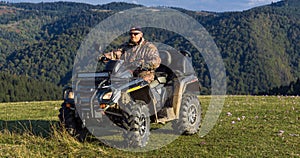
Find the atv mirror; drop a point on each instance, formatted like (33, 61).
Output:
(186, 53)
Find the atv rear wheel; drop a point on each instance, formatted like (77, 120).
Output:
(189, 116)
(138, 120)
(71, 123)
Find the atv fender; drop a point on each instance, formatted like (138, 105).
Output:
(187, 85)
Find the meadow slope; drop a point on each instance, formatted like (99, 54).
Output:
(249, 126)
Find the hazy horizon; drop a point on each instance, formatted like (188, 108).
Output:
(195, 5)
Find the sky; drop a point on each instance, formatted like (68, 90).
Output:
(196, 5)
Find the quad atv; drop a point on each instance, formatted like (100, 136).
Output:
(133, 104)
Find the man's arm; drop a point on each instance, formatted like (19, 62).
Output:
(152, 60)
(113, 55)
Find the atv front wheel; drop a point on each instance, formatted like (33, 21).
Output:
(138, 120)
(189, 116)
(71, 123)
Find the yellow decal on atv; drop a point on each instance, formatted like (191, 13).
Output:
(133, 89)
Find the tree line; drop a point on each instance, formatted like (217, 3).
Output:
(22, 88)
(260, 47)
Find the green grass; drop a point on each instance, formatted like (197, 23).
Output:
(249, 126)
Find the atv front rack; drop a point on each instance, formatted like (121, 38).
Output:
(85, 89)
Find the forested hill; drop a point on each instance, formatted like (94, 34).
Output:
(260, 47)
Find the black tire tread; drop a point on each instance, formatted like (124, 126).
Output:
(131, 135)
(71, 123)
(182, 124)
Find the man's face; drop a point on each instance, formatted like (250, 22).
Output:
(135, 36)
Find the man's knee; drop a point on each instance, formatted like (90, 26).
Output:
(147, 76)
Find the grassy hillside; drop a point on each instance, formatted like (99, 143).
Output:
(249, 126)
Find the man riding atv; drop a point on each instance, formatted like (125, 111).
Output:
(138, 50)
(138, 86)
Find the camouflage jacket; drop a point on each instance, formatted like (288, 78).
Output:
(145, 52)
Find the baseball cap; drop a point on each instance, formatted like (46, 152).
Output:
(136, 29)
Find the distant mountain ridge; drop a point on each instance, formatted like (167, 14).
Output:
(260, 47)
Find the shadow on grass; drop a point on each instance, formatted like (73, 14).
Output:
(41, 128)
(46, 129)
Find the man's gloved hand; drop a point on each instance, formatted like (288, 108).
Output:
(102, 58)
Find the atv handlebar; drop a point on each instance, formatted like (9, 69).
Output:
(102, 58)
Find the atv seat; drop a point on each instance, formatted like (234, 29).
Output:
(165, 57)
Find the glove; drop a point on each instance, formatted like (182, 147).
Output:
(102, 58)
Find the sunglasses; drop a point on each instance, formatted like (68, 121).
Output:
(133, 34)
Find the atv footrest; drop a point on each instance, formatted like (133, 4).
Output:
(165, 115)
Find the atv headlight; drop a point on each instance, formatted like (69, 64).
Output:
(107, 96)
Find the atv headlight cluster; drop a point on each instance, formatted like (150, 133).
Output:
(107, 96)
(104, 97)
